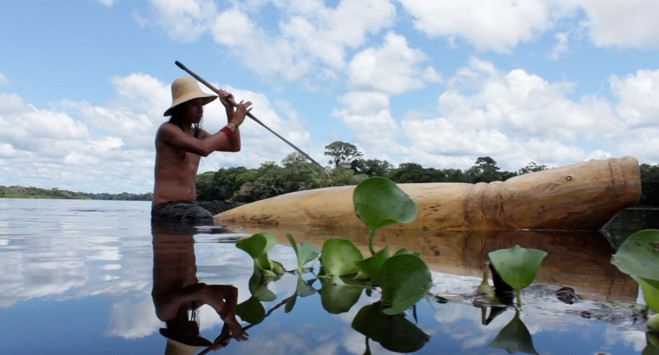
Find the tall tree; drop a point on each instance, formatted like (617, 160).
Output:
(372, 167)
(343, 154)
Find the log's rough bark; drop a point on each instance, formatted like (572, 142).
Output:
(580, 196)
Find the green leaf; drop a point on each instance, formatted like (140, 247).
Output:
(305, 252)
(258, 246)
(339, 256)
(394, 332)
(638, 256)
(371, 266)
(403, 251)
(258, 286)
(378, 202)
(337, 298)
(251, 310)
(514, 337)
(517, 266)
(404, 279)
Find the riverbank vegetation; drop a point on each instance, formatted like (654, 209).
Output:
(346, 166)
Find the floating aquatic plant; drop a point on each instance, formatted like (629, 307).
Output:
(338, 258)
(517, 266)
(638, 257)
(305, 252)
(379, 202)
(258, 246)
(404, 277)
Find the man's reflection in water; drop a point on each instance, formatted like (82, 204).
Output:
(178, 294)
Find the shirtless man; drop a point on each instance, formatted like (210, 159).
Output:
(180, 144)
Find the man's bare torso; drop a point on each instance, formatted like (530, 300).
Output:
(175, 173)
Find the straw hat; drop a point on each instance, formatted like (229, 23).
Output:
(178, 346)
(186, 89)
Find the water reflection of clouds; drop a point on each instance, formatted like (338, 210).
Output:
(541, 312)
(76, 259)
(131, 319)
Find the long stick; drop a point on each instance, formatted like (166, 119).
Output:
(249, 114)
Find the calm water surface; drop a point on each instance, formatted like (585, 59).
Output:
(77, 278)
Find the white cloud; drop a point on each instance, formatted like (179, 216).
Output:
(310, 38)
(630, 23)
(184, 21)
(489, 25)
(638, 96)
(4, 81)
(392, 68)
(367, 115)
(514, 117)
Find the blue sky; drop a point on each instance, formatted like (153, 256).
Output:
(83, 85)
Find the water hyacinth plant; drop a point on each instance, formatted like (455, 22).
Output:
(638, 257)
(403, 278)
(379, 202)
(517, 266)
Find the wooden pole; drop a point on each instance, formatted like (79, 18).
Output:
(249, 114)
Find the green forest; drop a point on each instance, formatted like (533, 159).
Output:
(346, 166)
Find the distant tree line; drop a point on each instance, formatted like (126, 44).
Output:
(348, 167)
(54, 193)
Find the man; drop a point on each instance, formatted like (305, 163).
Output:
(180, 144)
(178, 295)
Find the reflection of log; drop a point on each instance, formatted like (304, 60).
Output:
(580, 196)
(580, 259)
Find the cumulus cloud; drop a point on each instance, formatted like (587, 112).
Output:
(502, 25)
(184, 21)
(309, 39)
(110, 148)
(392, 68)
(515, 117)
(491, 25)
(638, 96)
(622, 23)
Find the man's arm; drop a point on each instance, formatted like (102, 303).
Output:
(172, 135)
(234, 140)
(222, 140)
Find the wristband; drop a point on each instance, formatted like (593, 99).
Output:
(227, 131)
(235, 125)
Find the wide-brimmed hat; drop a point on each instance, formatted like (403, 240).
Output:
(179, 346)
(186, 89)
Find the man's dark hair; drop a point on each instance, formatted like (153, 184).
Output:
(177, 119)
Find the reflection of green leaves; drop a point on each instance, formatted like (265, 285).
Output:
(517, 266)
(394, 332)
(251, 310)
(638, 256)
(338, 298)
(303, 289)
(514, 337)
(378, 202)
(258, 246)
(404, 279)
(652, 340)
(258, 286)
(304, 251)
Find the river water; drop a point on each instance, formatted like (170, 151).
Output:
(77, 278)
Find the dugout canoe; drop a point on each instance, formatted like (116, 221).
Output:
(583, 196)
